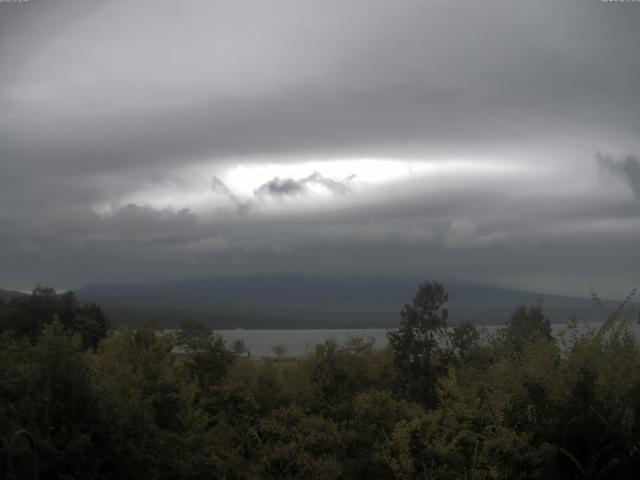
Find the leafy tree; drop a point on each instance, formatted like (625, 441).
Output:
(147, 407)
(375, 416)
(415, 343)
(337, 374)
(193, 336)
(464, 340)
(296, 446)
(92, 324)
(279, 350)
(525, 325)
(436, 403)
(46, 389)
(25, 316)
(208, 357)
(240, 348)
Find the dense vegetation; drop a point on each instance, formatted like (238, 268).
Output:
(438, 402)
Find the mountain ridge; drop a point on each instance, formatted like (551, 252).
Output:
(9, 294)
(313, 301)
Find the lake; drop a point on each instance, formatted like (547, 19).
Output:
(299, 342)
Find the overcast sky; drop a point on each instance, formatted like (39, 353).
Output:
(493, 141)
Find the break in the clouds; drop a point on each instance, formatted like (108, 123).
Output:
(157, 139)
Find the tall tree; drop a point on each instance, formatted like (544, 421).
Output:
(415, 343)
(525, 325)
(209, 357)
(25, 316)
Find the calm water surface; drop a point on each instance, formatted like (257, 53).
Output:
(298, 342)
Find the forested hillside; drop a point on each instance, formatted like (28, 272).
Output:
(438, 402)
(9, 294)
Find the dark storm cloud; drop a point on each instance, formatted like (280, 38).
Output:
(507, 72)
(217, 185)
(627, 168)
(291, 187)
(100, 101)
(286, 186)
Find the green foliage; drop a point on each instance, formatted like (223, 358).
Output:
(415, 343)
(46, 388)
(26, 316)
(465, 341)
(337, 373)
(239, 348)
(295, 445)
(207, 355)
(437, 403)
(526, 325)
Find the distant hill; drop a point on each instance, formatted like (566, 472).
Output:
(8, 294)
(312, 301)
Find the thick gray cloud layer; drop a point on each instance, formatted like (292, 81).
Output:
(498, 110)
(628, 169)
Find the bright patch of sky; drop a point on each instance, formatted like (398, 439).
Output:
(206, 188)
